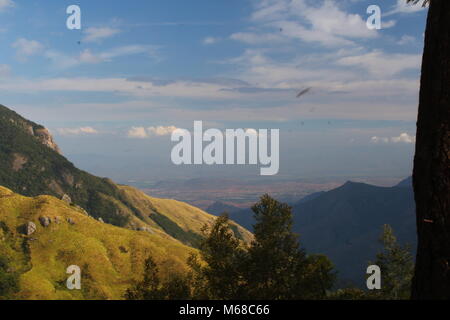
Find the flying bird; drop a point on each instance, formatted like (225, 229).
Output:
(303, 92)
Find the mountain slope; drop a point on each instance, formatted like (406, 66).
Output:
(31, 164)
(176, 218)
(345, 224)
(110, 257)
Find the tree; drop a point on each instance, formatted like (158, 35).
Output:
(278, 269)
(176, 287)
(221, 275)
(9, 280)
(397, 267)
(149, 287)
(431, 176)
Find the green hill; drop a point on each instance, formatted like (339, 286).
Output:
(32, 165)
(110, 257)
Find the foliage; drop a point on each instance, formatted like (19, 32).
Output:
(9, 280)
(397, 268)
(152, 288)
(424, 2)
(272, 267)
(224, 258)
(278, 268)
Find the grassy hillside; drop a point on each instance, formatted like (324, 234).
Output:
(176, 218)
(31, 165)
(110, 257)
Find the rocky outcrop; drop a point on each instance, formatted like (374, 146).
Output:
(44, 136)
(145, 229)
(45, 221)
(29, 228)
(66, 198)
(18, 161)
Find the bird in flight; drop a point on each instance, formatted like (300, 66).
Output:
(303, 92)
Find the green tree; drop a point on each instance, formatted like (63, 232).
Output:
(9, 280)
(397, 267)
(318, 277)
(432, 161)
(177, 287)
(149, 287)
(219, 275)
(277, 268)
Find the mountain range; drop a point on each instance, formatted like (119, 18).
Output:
(345, 223)
(53, 215)
(31, 164)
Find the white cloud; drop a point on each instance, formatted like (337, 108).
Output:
(161, 130)
(87, 56)
(376, 139)
(137, 132)
(6, 4)
(157, 131)
(402, 138)
(5, 70)
(26, 48)
(97, 34)
(255, 38)
(77, 131)
(210, 40)
(381, 64)
(326, 23)
(405, 39)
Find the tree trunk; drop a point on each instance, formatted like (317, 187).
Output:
(431, 176)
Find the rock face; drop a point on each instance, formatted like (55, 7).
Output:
(145, 229)
(66, 199)
(46, 139)
(82, 210)
(18, 162)
(30, 228)
(45, 221)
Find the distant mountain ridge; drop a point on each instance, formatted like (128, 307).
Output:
(345, 223)
(31, 164)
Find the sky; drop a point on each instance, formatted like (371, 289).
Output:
(113, 92)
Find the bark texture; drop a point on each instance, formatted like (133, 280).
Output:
(431, 177)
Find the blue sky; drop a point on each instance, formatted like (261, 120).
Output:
(117, 87)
